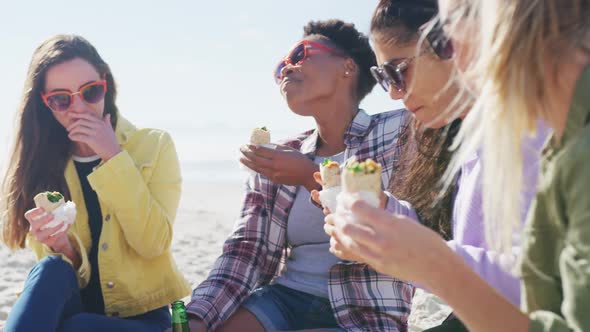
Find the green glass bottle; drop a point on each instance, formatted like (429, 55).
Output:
(179, 320)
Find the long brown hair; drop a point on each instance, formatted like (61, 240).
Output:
(41, 146)
(424, 157)
(424, 153)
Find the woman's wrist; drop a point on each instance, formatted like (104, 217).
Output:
(63, 246)
(469, 296)
(68, 250)
(110, 154)
(445, 265)
(309, 181)
(311, 185)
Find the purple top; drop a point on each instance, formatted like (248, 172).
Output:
(468, 224)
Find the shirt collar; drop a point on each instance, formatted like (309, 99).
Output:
(358, 128)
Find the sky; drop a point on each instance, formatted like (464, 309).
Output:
(198, 69)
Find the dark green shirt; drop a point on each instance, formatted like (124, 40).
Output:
(556, 255)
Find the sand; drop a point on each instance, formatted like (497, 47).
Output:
(205, 218)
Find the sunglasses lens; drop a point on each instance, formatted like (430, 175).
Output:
(298, 54)
(395, 76)
(378, 75)
(440, 43)
(59, 102)
(92, 94)
(446, 50)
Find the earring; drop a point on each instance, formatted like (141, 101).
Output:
(346, 73)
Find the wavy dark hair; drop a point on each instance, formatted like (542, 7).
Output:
(355, 44)
(424, 152)
(423, 159)
(41, 146)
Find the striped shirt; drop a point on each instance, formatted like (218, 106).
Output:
(255, 252)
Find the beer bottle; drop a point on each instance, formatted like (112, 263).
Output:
(179, 320)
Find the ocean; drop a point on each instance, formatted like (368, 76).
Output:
(207, 143)
(206, 154)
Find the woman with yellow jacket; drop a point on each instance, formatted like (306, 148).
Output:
(112, 270)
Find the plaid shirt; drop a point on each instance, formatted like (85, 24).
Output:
(361, 298)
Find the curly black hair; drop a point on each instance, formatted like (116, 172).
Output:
(354, 43)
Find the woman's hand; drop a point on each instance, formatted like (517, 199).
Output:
(393, 245)
(58, 243)
(38, 218)
(402, 248)
(96, 132)
(282, 165)
(315, 195)
(336, 247)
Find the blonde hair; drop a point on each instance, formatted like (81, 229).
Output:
(518, 48)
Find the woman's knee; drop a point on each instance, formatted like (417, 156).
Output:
(52, 268)
(242, 320)
(79, 322)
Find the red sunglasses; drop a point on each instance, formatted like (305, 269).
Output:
(299, 53)
(91, 93)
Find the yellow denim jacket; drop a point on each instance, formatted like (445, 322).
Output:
(139, 191)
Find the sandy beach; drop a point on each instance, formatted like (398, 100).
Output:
(205, 218)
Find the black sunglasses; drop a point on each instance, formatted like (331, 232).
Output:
(440, 43)
(392, 75)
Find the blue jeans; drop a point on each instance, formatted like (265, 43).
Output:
(51, 302)
(280, 308)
